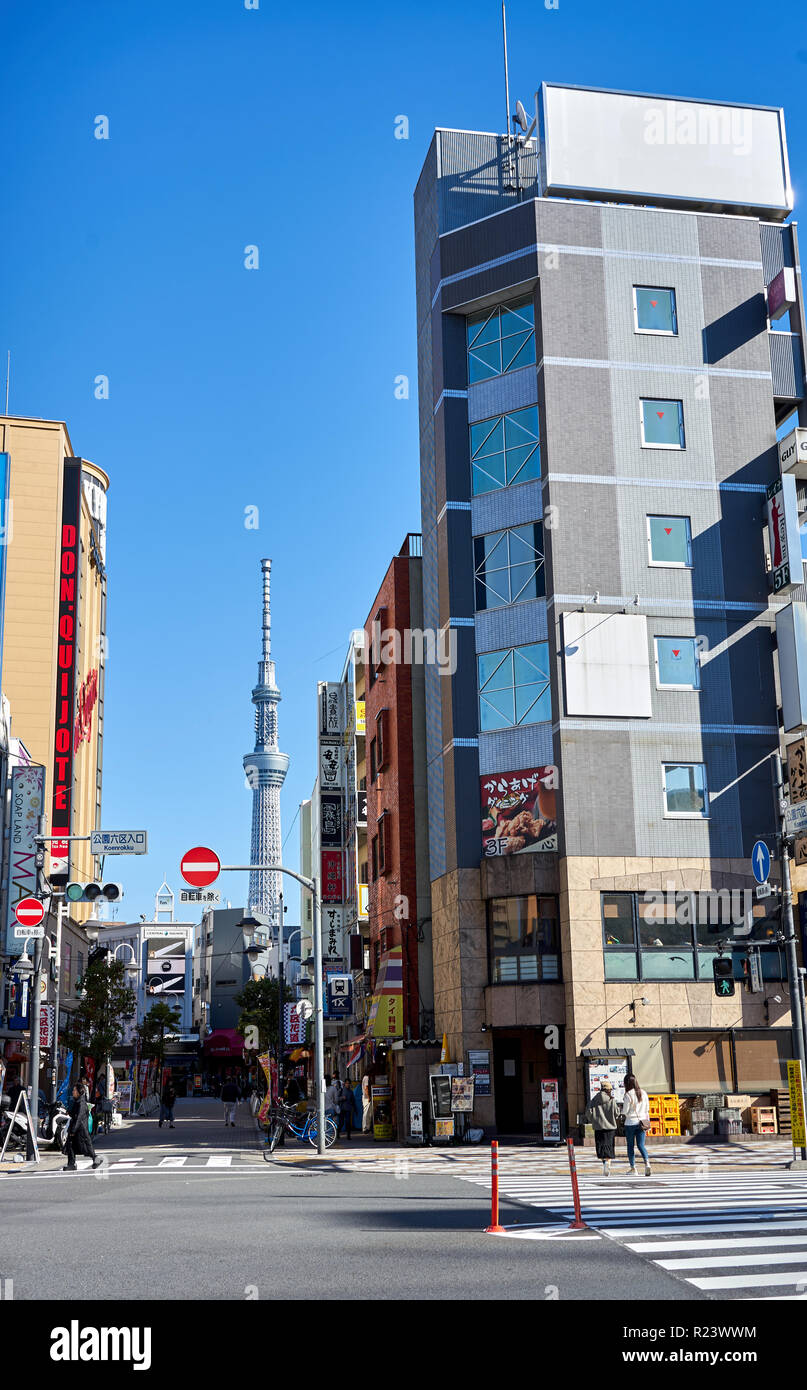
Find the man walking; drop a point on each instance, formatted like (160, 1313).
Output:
(229, 1095)
(78, 1133)
(346, 1103)
(167, 1103)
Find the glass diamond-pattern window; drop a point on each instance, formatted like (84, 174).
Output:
(509, 566)
(500, 340)
(505, 450)
(514, 687)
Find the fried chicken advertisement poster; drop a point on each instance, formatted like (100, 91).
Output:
(518, 811)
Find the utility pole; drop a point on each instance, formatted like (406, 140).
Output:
(54, 1054)
(281, 1033)
(794, 983)
(35, 1013)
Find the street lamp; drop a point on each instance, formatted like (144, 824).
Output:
(310, 885)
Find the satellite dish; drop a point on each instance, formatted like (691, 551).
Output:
(520, 116)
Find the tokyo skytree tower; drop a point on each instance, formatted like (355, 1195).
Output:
(266, 769)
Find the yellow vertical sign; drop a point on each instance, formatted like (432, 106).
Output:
(796, 1104)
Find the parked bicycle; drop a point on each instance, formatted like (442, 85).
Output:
(282, 1121)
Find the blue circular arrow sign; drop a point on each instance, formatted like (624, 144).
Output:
(761, 861)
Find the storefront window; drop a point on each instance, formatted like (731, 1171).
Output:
(524, 939)
(761, 1060)
(651, 1059)
(702, 1063)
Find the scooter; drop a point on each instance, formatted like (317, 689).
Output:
(54, 1122)
(13, 1126)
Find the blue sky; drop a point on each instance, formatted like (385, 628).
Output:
(274, 388)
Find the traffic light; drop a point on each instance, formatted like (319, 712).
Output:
(91, 892)
(723, 970)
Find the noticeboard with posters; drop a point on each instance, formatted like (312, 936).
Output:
(479, 1067)
(518, 811)
(613, 1069)
(462, 1095)
(123, 1097)
(444, 1127)
(550, 1111)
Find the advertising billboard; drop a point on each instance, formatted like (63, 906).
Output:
(630, 147)
(332, 879)
(165, 967)
(27, 805)
(330, 821)
(64, 729)
(518, 811)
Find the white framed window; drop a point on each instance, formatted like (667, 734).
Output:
(654, 311)
(669, 542)
(662, 424)
(684, 789)
(677, 663)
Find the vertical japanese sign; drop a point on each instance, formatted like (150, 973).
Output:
(332, 878)
(64, 725)
(783, 534)
(796, 1104)
(27, 805)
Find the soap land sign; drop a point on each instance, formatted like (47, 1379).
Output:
(27, 803)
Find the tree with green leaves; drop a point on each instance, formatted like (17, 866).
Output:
(258, 1002)
(107, 1004)
(160, 1021)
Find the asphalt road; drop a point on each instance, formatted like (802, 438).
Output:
(222, 1224)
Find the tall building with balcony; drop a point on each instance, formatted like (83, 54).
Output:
(601, 381)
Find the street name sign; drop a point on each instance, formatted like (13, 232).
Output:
(200, 866)
(118, 842)
(761, 862)
(795, 816)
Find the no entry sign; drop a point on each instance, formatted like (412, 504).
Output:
(29, 912)
(200, 867)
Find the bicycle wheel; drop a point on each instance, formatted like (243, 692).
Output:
(330, 1132)
(274, 1140)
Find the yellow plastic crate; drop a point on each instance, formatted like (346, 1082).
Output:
(672, 1127)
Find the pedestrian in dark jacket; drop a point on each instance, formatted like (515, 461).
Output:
(167, 1102)
(229, 1095)
(347, 1100)
(603, 1114)
(78, 1133)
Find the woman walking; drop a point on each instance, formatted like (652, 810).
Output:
(636, 1110)
(603, 1114)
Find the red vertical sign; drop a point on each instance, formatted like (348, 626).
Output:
(64, 725)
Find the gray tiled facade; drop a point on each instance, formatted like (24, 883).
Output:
(598, 485)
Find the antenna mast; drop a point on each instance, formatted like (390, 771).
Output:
(8, 376)
(506, 75)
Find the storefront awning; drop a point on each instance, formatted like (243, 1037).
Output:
(606, 1052)
(224, 1042)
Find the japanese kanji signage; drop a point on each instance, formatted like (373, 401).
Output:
(333, 921)
(797, 769)
(118, 842)
(518, 811)
(783, 534)
(332, 879)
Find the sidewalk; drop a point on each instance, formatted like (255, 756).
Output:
(198, 1128)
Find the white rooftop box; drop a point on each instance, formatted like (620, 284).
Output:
(629, 147)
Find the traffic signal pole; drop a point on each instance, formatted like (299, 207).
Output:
(793, 977)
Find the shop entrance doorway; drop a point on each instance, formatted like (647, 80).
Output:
(520, 1063)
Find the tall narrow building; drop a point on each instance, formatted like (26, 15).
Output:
(266, 769)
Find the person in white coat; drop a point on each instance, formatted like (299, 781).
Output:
(636, 1112)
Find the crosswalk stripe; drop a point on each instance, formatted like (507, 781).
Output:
(750, 1281)
(750, 1217)
(173, 1161)
(219, 1161)
(793, 1257)
(742, 1243)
